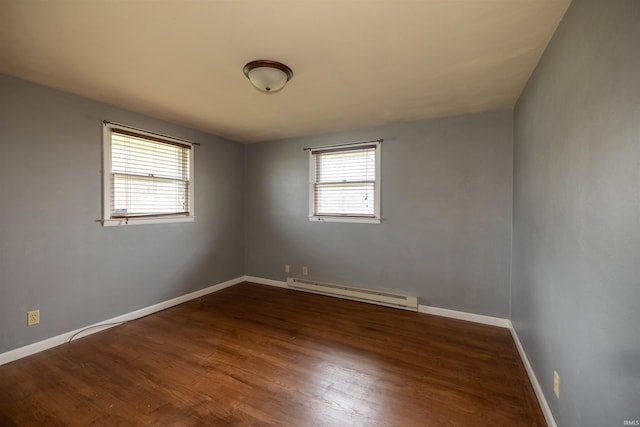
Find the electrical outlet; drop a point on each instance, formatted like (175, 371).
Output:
(287, 268)
(33, 317)
(305, 270)
(556, 384)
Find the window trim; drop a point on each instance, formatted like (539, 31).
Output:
(107, 220)
(377, 218)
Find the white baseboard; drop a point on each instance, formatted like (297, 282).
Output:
(542, 400)
(261, 281)
(48, 343)
(463, 315)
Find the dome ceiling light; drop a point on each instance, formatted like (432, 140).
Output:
(267, 76)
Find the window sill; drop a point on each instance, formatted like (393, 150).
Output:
(138, 221)
(353, 219)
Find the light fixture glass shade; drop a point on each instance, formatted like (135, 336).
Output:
(268, 76)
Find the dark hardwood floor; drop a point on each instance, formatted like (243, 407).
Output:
(254, 355)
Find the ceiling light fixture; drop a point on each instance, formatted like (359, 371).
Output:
(267, 76)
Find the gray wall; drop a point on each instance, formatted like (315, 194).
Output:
(55, 257)
(576, 247)
(446, 203)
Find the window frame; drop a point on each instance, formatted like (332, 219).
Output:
(109, 221)
(352, 218)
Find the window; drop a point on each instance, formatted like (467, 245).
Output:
(147, 178)
(344, 183)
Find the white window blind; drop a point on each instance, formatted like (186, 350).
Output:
(148, 176)
(345, 181)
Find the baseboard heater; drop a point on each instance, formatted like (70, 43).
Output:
(371, 296)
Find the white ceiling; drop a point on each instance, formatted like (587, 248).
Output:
(356, 63)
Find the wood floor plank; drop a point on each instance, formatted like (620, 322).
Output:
(253, 355)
